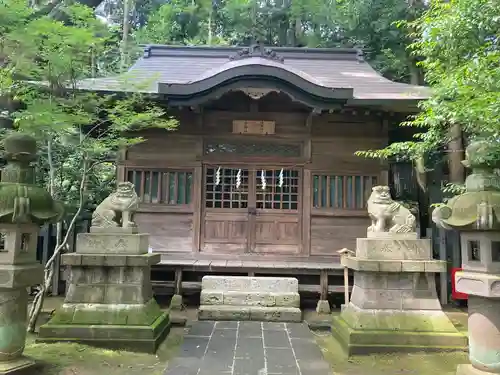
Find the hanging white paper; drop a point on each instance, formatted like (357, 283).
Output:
(281, 178)
(263, 179)
(238, 179)
(217, 177)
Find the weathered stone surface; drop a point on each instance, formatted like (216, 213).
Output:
(132, 335)
(111, 293)
(480, 284)
(13, 311)
(17, 276)
(117, 230)
(112, 243)
(323, 307)
(211, 297)
(221, 312)
(249, 298)
(20, 243)
(287, 299)
(23, 208)
(257, 313)
(275, 314)
(250, 284)
(368, 265)
(394, 295)
(365, 331)
(393, 249)
(176, 302)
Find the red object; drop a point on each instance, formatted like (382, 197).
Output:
(454, 294)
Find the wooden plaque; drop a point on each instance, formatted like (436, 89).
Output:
(253, 127)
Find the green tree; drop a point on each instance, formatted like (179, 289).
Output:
(458, 42)
(79, 132)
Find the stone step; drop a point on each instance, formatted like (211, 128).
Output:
(269, 299)
(255, 313)
(250, 284)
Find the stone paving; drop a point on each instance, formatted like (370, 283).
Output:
(248, 348)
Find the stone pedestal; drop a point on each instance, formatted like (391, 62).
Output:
(109, 300)
(18, 270)
(250, 298)
(323, 307)
(484, 317)
(394, 304)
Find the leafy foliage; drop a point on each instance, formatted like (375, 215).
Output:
(458, 42)
(80, 133)
(77, 131)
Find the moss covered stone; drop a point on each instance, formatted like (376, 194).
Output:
(364, 332)
(136, 328)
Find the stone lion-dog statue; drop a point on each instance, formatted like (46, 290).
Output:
(387, 215)
(118, 209)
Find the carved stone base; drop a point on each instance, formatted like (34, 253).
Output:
(138, 328)
(176, 302)
(323, 307)
(365, 331)
(16, 366)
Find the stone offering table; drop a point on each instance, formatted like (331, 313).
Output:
(394, 304)
(109, 300)
(250, 298)
(476, 214)
(23, 208)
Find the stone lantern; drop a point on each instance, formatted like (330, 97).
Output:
(23, 208)
(476, 214)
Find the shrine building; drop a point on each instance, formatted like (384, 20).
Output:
(260, 177)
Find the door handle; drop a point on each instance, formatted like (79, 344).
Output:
(252, 211)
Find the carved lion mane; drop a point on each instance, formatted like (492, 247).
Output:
(386, 214)
(118, 209)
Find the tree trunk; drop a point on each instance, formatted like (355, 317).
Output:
(125, 31)
(456, 155)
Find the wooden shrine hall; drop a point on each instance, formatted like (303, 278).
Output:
(260, 176)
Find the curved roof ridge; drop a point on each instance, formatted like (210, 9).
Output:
(256, 61)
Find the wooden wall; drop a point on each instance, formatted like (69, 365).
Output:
(331, 219)
(335, 138)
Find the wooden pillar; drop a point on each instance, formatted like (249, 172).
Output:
(323, 306)
(323, 281)
(197, 204)
(178, 281)
(344, 253)
(346, 286)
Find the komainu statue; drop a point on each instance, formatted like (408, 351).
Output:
(387, 215)
(118, 209)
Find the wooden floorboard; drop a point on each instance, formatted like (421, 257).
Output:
(312, 264)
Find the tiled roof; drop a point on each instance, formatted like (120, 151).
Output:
(330, 68)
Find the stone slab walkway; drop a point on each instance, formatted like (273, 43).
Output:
(248, 348)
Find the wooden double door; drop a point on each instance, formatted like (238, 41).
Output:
(252, 210)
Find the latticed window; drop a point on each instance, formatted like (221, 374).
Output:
(253, 148)
(162, 187)
(278, 190)
(223, 189)
(343, 192)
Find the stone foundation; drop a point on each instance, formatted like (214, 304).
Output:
(365, 331)
(394, 305)
(109, 300)
(18, 270)
(249, 298)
